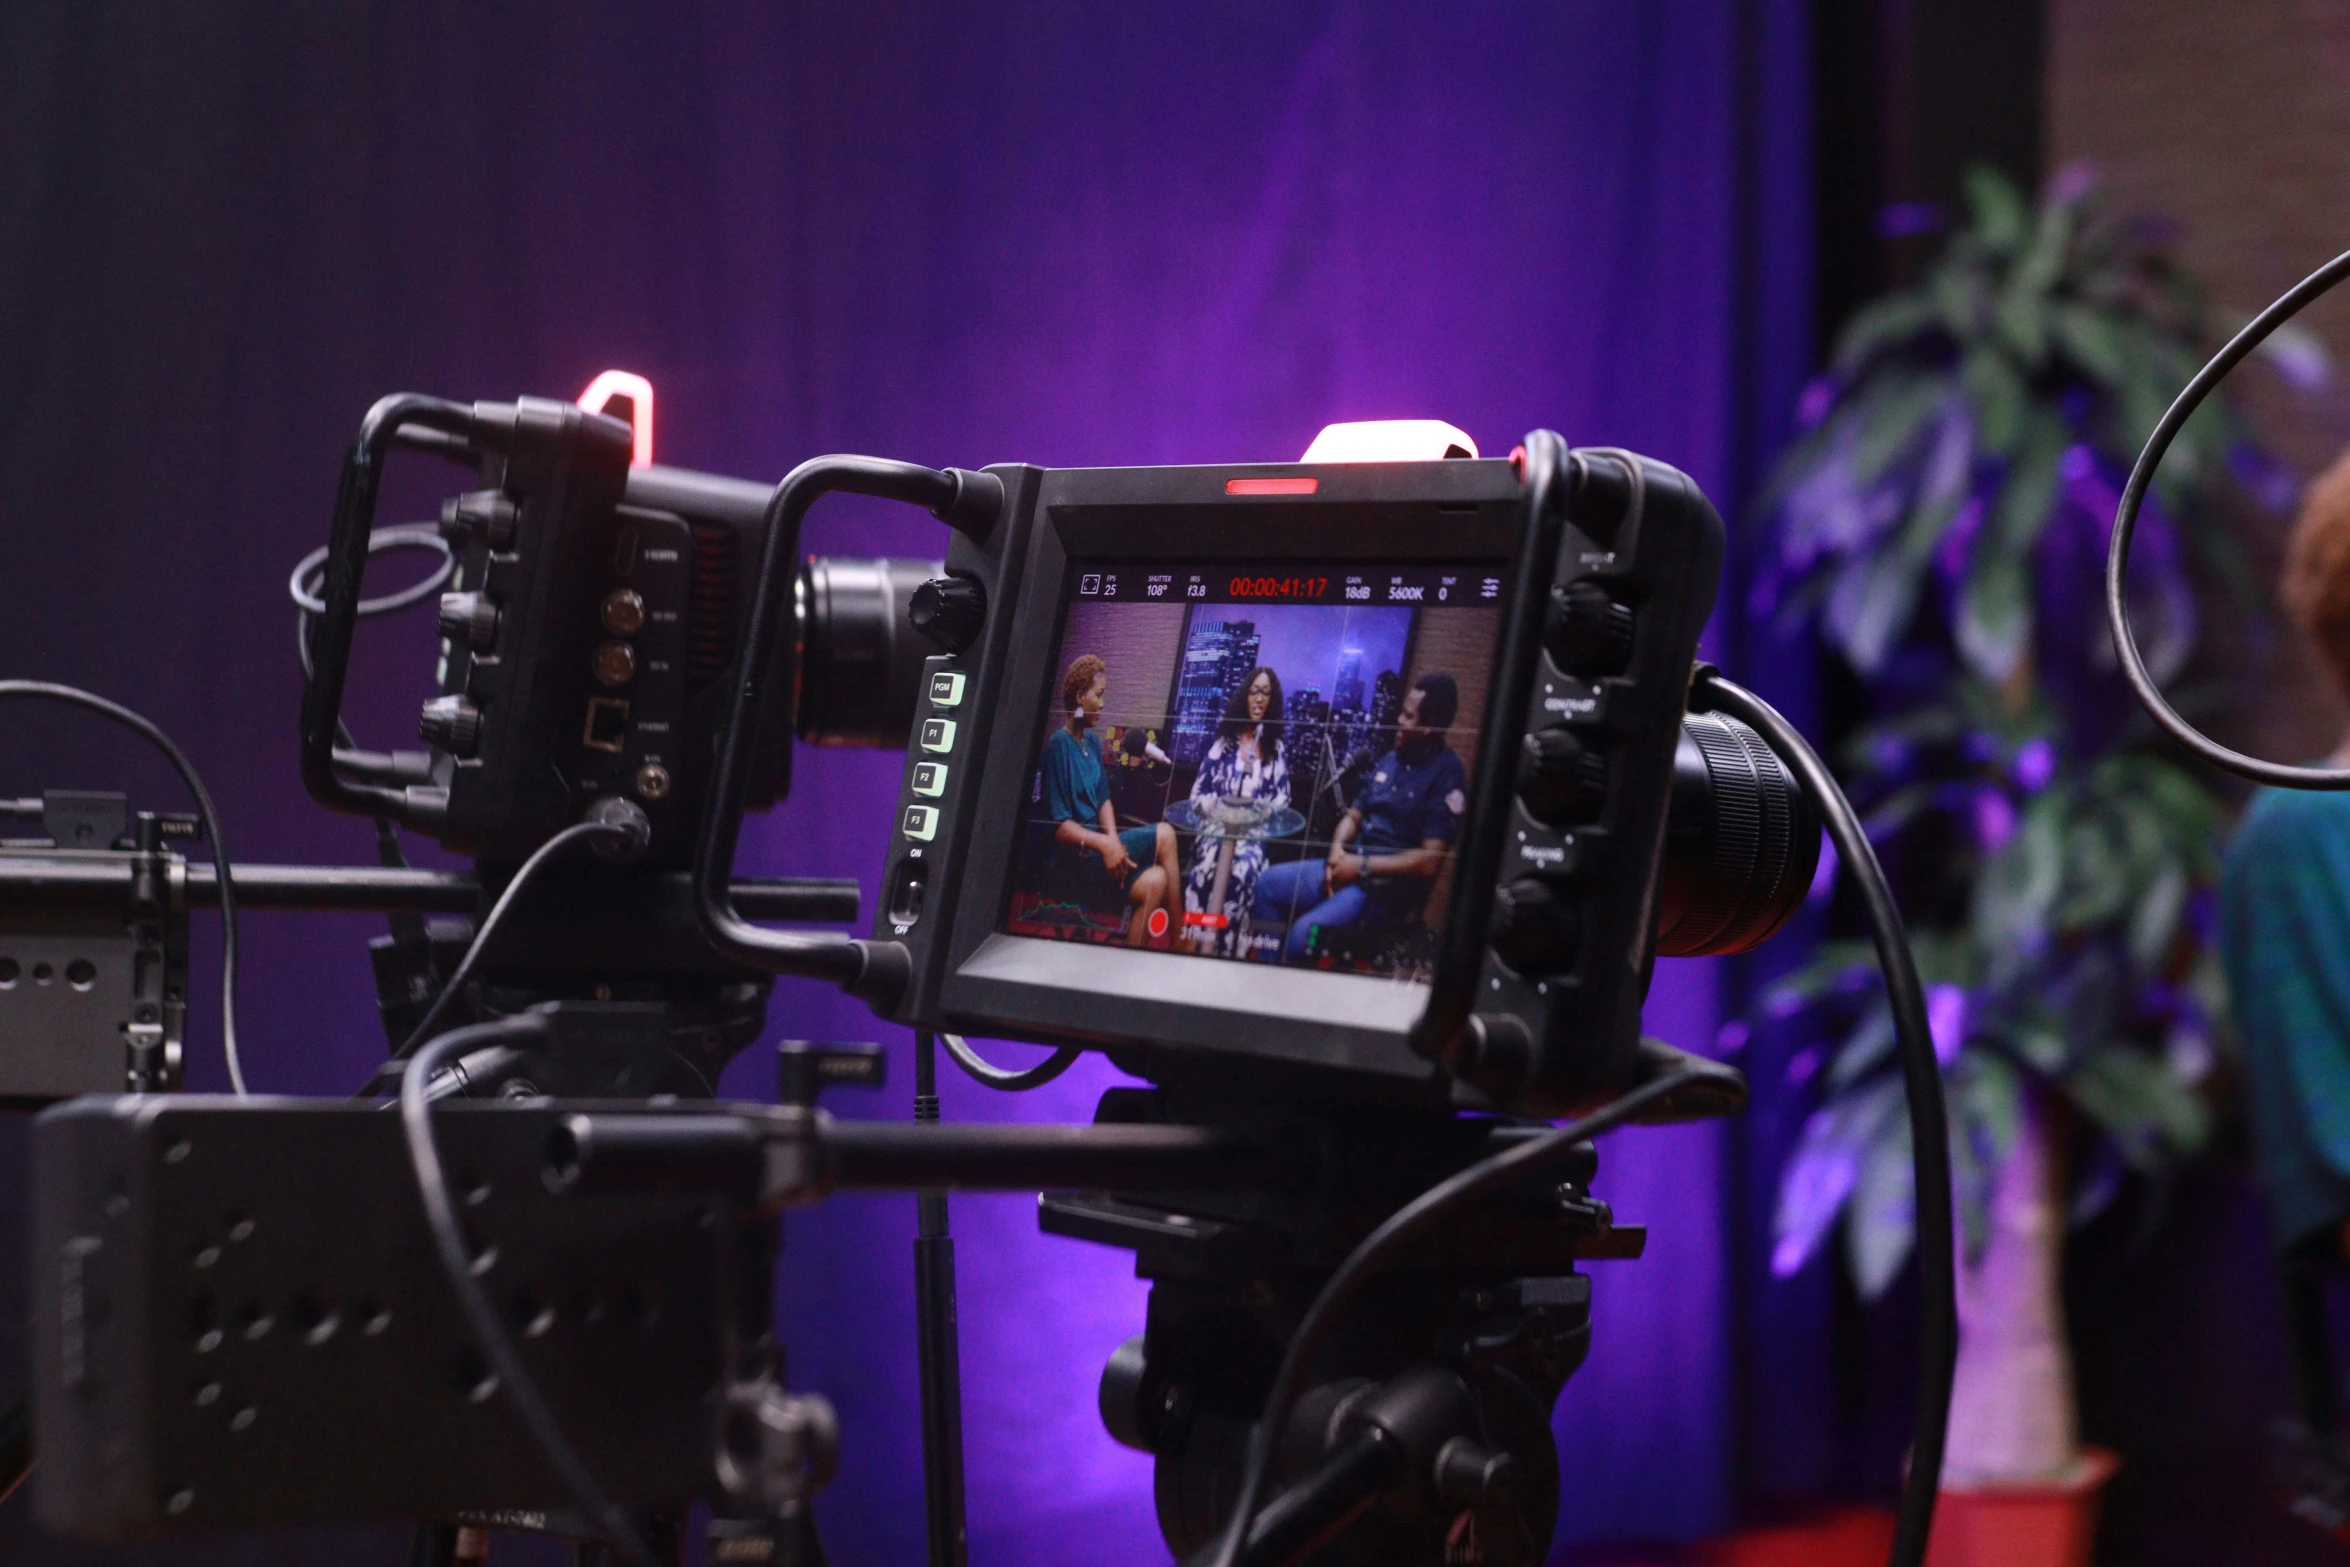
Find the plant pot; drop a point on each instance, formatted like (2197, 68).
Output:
(2048, 1524)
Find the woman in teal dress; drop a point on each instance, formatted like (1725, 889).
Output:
(2285, 943)
(1096, 855)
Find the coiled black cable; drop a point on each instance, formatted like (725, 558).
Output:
(2125, 525)
(1921, 1078)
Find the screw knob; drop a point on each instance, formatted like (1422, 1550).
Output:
(452, 724)
(1589, 634)
(949, 611)
(1562, 780)
(469, 618)
(1536, 928)
(485, 514)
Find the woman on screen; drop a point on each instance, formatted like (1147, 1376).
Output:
(1245, 762)
(1097, 856)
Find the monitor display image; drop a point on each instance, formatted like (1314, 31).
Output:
(1264, 763)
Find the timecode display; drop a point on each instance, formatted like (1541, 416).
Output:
(1417, 583)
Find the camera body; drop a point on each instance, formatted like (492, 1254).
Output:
(1563, 613)
(594, 624)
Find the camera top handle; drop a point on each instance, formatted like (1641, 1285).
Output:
(967, 501)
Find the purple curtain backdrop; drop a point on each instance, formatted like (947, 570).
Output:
(1057, 233)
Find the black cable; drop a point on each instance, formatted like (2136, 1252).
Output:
(2125, 525)
(1005, 1079)
(75, 697)
(1921, 1076)
(481, 940)
(489, 1334)
(1521, 1165)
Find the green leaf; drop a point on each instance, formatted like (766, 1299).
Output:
(2152, 1118)
(1874, 596)
(1882, 326)
(1891, 420)
(1880, 1224)
(2154, 924)
(2001, 216)
(1994, 629)
(1999, 396)
(2091, 339)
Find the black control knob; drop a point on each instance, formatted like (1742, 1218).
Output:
(451, 723)
(1536, 928)
(949, 612)
(480, 514)
(1562, 780)
(469, 618)
(1590, 633)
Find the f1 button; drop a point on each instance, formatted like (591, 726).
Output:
(921, 822)
(938, 734)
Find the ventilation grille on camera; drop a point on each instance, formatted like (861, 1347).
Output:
(712, 602)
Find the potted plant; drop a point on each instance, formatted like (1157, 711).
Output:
(1942, 521)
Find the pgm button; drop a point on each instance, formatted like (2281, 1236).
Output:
(930, 778)
(946, 688)
(938, 734)
(922, 822)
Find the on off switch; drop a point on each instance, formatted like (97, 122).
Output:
(1561, 780)
(1590, 633)
(1535, 927)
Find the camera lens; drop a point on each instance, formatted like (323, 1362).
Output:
(860, 658)
(1741, 842)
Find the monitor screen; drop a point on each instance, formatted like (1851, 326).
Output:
(1257, 762)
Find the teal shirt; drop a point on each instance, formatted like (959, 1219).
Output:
(2285, 942)
(1074, 788)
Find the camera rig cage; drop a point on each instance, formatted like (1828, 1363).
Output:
(1569, 876)
(1601, 567)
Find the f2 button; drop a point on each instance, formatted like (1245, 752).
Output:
(938, 734)
(921, 822)
(930, 779)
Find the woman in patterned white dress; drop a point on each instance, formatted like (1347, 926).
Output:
(1246, 759)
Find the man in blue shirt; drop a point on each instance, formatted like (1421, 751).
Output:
(1386, 851)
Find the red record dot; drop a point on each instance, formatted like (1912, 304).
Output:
(1158, 922)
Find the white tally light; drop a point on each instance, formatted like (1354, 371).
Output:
(1390, 440)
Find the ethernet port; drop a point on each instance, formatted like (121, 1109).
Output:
(607, 724)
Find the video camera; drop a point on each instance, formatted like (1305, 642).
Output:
(1332, 799)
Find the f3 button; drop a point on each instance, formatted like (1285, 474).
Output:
(921, 822)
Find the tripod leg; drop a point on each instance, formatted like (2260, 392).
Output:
(938, 1352)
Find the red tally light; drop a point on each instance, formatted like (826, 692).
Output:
(1303, 484)
(635, 394)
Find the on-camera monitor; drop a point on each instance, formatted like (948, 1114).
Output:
(1259, 763)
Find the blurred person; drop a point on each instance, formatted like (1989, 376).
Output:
(2285, 944)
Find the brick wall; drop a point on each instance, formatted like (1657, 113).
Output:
(2232, 121)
